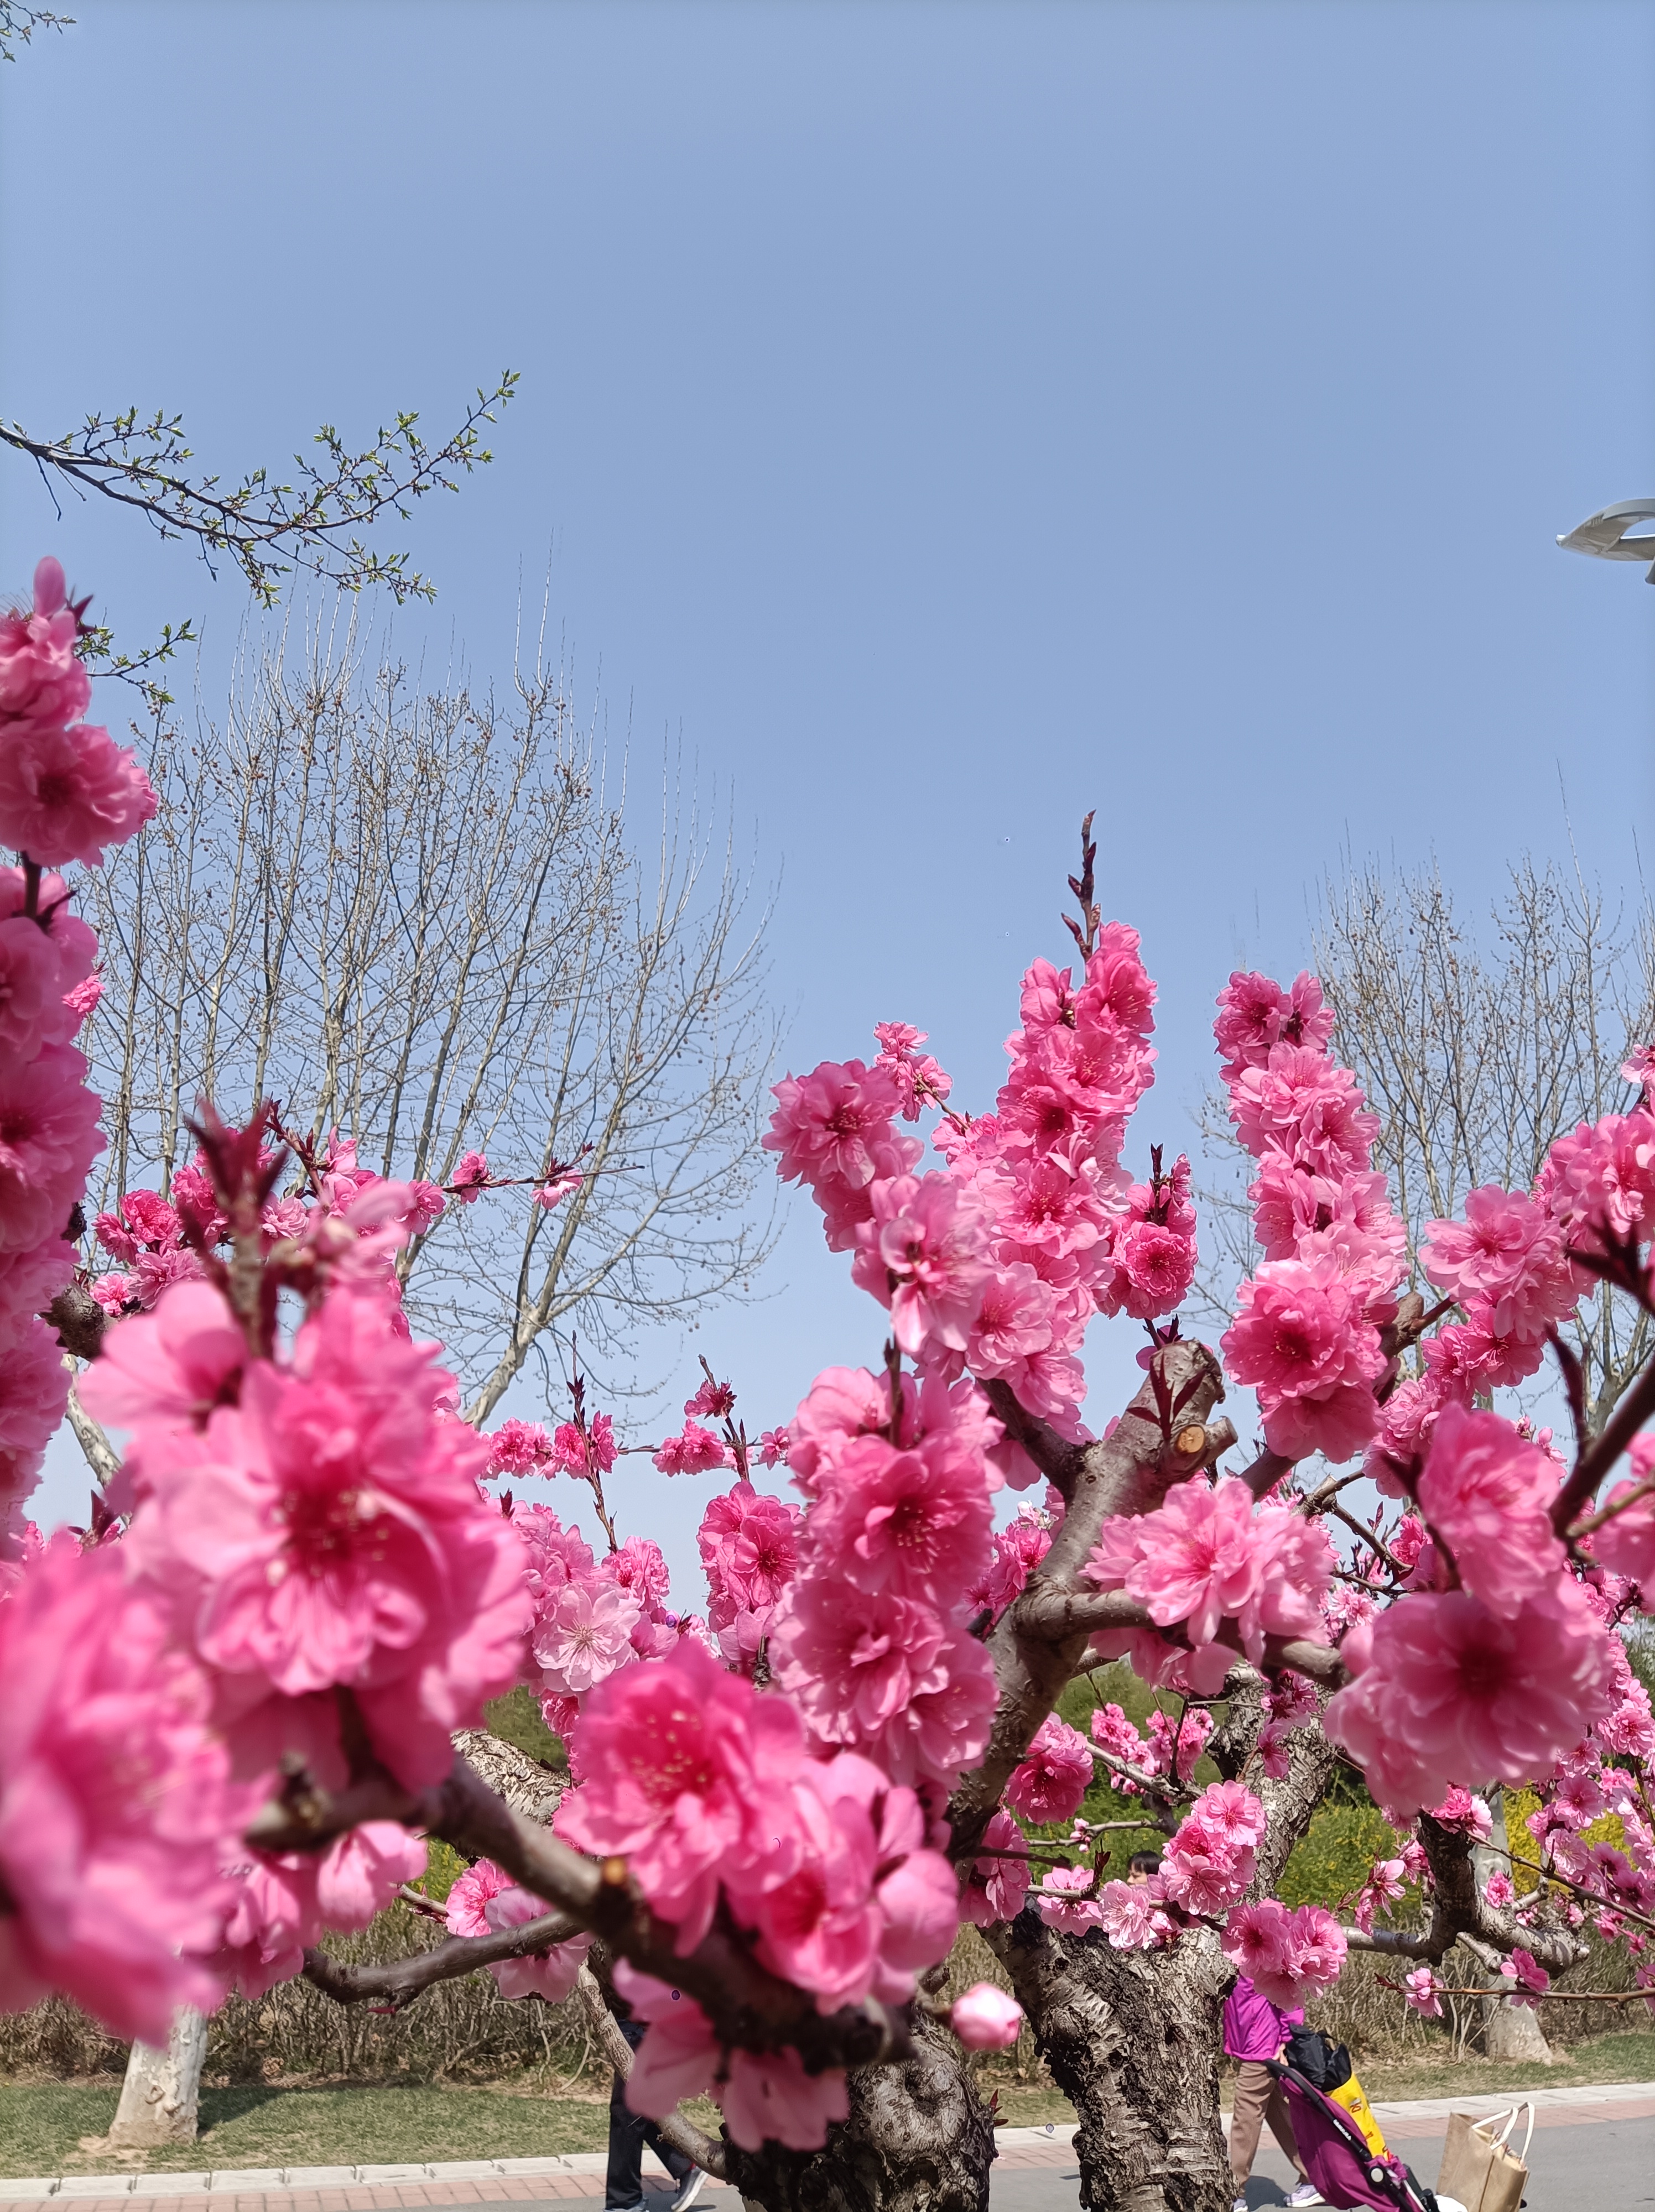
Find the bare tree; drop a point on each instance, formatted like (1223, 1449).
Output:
(415, 916)
(1477, 1048)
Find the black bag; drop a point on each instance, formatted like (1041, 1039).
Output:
(1325, 2064)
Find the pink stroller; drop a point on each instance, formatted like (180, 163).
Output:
(1337, 2157)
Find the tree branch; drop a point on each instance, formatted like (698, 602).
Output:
(399, 1982)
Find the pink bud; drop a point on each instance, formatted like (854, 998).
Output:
(50, 588)
(986, 2019)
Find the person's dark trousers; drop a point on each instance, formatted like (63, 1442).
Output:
(628, 2134)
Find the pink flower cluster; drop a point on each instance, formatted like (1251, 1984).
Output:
(749, 1548)
(65, 793)
(1306, 1331)
(66, 789)
(116, 1810)
(998, 1263)
(314, 1523)
(485, 1901)
(281, 1905)
(158, 1241)
(709, 1791)
(1287, 1952)
(872, 1638)
(590, 1616)
(1209, 1556)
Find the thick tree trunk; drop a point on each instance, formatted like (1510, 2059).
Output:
(161, 2095)
(919, 2139)
(1509, 2031)
(1133, 2039)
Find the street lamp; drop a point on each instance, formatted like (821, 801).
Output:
(1605, 534)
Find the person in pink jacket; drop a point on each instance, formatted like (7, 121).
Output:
(1254, 2030)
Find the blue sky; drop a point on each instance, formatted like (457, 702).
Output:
(943, 419)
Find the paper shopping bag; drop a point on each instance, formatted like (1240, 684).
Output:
(1479, 2168)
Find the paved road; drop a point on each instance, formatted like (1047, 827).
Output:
(1593, 2151)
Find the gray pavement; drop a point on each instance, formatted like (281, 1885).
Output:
(1593, 2150)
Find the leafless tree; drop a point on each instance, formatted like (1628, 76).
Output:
(1478, 1046)
(417, 916)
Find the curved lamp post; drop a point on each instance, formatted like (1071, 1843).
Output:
(1606, 534)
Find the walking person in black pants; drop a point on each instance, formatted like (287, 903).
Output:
(629, 2131)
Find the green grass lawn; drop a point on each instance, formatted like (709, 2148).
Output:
(42, 2124)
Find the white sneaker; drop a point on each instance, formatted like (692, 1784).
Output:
(695, 2181)
(1307, 2193)
(1240, 2205)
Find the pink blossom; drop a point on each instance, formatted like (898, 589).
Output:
(1522, 1967)
(107, 1880)
(550, 1974)
(66, 793)
(470, 1179)
(31, 988)
(920, 1082)
(578, 1451)
(518, 1448)
(1067, 1900)
(1158, 1265)
(922, 1253)
(49, 1138)
(713, 1402)
(1133, 1915)
(1444, 1687)
(1467, 1814)
(986, 2019)
(328, 1530)
(42, 680)
(1599, 1182)
(833, 1124)
(1499, 1889)
(916, 1522)
(678, 1760)
(1054, 1775)
(1509, 1252)
(582, 1635)
(887, 1676)
(1626, 1543)
(556, 1187)
(464, 1913)
(749, 1546)
(1209, 1554)
(1490, 1495)
(34, 1388)
(155, 1272)
(772, 1447)
(1254, 1014)
(842, 1402)
(1300, 1338)
(639, 1566)
(1300, 1103)
(1019, 1549)
(995, 1887)
(166, 1370)
(694, 1450)
(1286, 1954)
(1424, 1992)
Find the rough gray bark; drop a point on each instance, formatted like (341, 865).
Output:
(1132, 2038)
(528, 1788)
(919, 2139)
(160, 2096)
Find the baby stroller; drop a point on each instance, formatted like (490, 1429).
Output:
(1336, 2154)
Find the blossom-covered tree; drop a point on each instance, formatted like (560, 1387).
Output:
(245, 1698)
